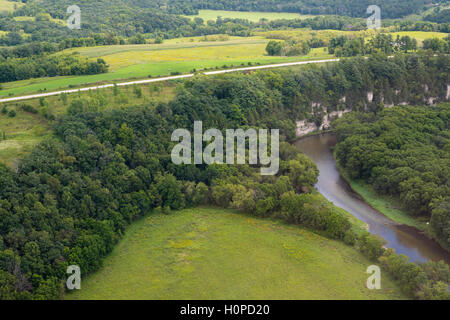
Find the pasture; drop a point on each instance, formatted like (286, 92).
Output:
(208, 253)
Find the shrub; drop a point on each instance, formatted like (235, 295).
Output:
(371, 245)
(166, 210)
(265, 207)
(158, 210)
(28, 108)
(11, 114)
(350, 238)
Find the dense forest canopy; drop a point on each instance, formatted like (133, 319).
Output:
(353, 8)
(74, 194)
(439, 16)
(404, 152)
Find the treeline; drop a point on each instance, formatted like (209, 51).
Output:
(125, 20)
(353, 8)
(13, 69)
(437, 45)
(73, 196)
(426, 281)
(439, 16)
(347, 46)
(288, 48)
(403, 152)
(28, 50)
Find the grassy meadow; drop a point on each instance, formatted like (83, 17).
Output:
(207, 253)
(18, 135)
(26, 129)
(142, 61)
(251, 16)
(183, 55)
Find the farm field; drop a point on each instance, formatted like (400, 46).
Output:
(207, 253)
(8, 6)
(134, 62)
(183, 55)
(326, 35)
(251, 16)
(420, 35)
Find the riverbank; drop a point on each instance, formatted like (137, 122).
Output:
(387, 205)
(411, 241)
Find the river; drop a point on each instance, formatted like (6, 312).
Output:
(404, 239)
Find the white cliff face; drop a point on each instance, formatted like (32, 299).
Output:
(431, 100)
(304, 127)
(316, 105)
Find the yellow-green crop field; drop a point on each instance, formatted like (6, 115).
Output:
(26, 18)
(420, 35)
(208, 253)
(9, 5)
(251, 16)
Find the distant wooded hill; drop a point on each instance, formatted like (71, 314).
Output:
(353, 8)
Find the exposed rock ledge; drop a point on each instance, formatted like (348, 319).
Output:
(304, 127)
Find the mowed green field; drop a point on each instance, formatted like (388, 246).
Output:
(207, 253)
(142, 61)
(21, 134)
(251, 16)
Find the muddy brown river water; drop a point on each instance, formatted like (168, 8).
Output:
(405, 240)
